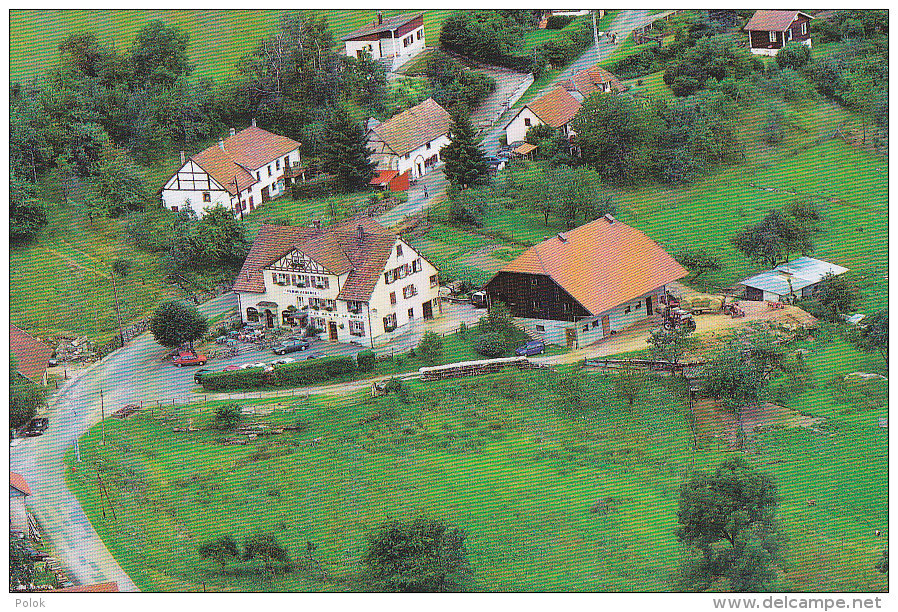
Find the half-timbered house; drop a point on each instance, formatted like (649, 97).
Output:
(355, 281)
(586, 284)
(242, 171)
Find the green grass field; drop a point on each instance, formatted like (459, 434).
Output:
(503, 456)
(218, 38)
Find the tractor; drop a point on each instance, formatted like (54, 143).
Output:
(675, 318)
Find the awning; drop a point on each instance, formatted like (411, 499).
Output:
(383, 177)
(525, 148)
(266, 305)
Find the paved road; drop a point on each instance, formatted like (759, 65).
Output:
(436, 183)
(624, 23)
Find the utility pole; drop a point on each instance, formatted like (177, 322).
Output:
(595, 32)
(103, 417)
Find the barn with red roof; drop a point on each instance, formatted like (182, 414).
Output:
(32, 355)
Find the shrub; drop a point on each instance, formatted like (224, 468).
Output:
(430, 347)
(312, 331)
(291, 374)
(462, 329)
(491, 344)
(220, 550)
(318, 187)
(227, 417)
(402, 197)
(121, 266)
(365, 361)
(557, 22)
(793, 55)
(393, 385)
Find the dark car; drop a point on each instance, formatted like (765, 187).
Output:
(198, 375)
(36, 427)
(290, 345)
(534, 347)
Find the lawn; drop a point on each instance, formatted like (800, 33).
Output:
(536, 37)
(651, 85)
(218, 38)
(506, 457)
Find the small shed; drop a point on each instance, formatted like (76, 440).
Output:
(797, 278)
(390, 180)
(18, 491)
(525, 150)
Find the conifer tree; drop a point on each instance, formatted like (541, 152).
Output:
(345, 153)
(465, 162)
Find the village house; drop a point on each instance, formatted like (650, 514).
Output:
(555, 109)
(583, 285)
(242, 171)
(18, 491)
(592, 80)
(32, 355)
(355, 281)
(798, 278)
(411, 141)
(392, 41)
(771, 30)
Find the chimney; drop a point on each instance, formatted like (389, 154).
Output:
(254, 122)
(221, 144)
(233, 131)
(609, 218)
(183, 158)
(380, 17)
(361, 233)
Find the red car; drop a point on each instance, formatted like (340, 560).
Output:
(184, 358)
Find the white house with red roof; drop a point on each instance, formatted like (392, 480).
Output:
(242, 171)
(393, 41)
(556, 109)
(356, 281)
(18, 491)
(411, 141)
(583, 285)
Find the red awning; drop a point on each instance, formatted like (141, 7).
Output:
(383, 177)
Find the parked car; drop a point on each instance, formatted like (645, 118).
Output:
(315, 355)
(247, 366)
(184, 358)
(284, 361)
(290, 345)
(36, 427)
(478, 299)
(230, 368)
(199, 374)
(534, 347)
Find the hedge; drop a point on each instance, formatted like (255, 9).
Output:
(287, 375)
(321, 186)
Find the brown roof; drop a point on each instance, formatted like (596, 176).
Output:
(246, 150)
(31, 354)
(100, 587)
(601, 264)
(587, 81)
(17, 481)
(337, 248)
(772, 21)
(556, 108)
(414, 128)
(392, 23)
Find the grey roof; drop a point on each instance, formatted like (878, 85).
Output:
(793, 276)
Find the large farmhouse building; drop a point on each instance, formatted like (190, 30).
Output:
(411, 141)
(583, 285)
(798, 278)
(770, 30)
(393, 41)
(355, 281)
(242, 171)
(555, 109)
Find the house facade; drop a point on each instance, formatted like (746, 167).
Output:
(555, 109)
(412, 140)
(354, 281)
(799, 278)
(241, 172)
(583, 285)
(392, 41)
(18, 492)
(771, 30)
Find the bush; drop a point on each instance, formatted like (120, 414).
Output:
(557, 22)
(402, 197)
(312, 331)
(318, 187)
(121, 266)
(227, 417)
(430, 347)
(365, 361)
(491, 344)
(393, 385)
(793, 55)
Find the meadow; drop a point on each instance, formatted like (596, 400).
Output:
(218, 38)
(509, 457)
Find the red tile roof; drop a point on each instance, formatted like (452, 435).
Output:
(100, 587)
(556, 108)
(337, 248)
(414, 127)
(31, 354)
(587, 81)
(243, 152)
(17, 481)
(393, 23)
(601, 264)
(772, 21)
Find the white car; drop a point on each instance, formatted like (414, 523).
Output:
(284, 361)
(262, 365)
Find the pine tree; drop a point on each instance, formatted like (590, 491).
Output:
(345, 153)
(465, 162)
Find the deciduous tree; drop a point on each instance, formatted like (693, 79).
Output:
(873, 334)
(773, 239)
(220, 550)
(177, 323)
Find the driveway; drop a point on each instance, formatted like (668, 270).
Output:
(436, 183)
